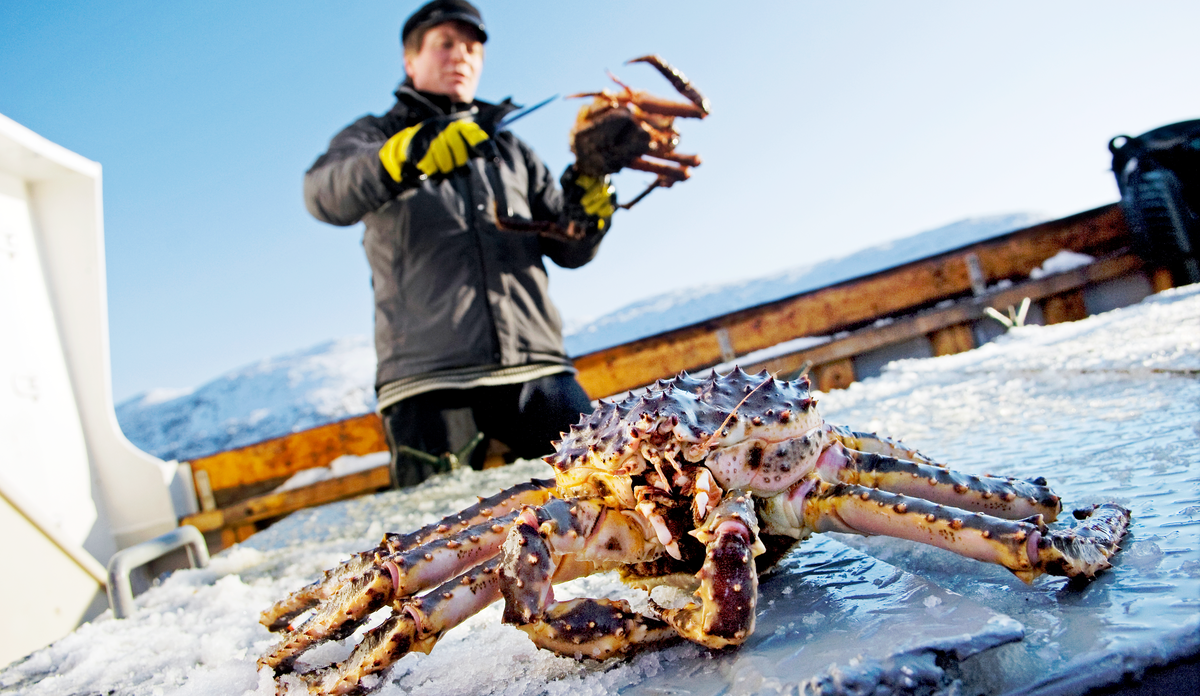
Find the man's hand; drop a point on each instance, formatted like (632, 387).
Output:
(435, 146)
(599, 196)
(590, 201)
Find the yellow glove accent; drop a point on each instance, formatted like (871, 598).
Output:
(448, 151)
(394, 152)
(597, 196)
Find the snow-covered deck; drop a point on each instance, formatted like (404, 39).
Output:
(1107, 408)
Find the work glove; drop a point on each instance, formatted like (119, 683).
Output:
(589, 200)
(435, 146)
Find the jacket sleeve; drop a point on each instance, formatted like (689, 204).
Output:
(546, 203)
(349, 181)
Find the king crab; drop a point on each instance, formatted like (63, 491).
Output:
(635, 129)
(699, 484)
(625, 129)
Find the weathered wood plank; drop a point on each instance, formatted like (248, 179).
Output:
(952, 339)
(263, 507)
(965, 311)
(847, 305)
(1066, 306)
(281, 457)
(838, 374)
(1161, 279)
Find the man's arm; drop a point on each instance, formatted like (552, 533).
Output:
(349, 181)
(548, 202)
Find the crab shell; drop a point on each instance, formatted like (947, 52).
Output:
(605, 139)
(611, 134)
(693, 438)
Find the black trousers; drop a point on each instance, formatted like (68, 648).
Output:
(526, 417)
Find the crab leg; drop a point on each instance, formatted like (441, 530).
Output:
(335, 619)
(391, 578)
(679, 82)
(533, 492)
(1026, 547)
(728, 580)
(667, 174)
(380, 648)
(417, 623)
(1005, 497)
(875, 444)
(415, 626)
(685, 160)
(371, 580)
(277, 617)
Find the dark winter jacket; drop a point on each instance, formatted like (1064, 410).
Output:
(451, 290)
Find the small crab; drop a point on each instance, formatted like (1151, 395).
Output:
(635, 129)
(697, 483)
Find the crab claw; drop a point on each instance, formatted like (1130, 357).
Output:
(1085, 550)
(728, 580)
(680, 83)
(596, 628)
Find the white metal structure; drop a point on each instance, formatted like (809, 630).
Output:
(73, 489)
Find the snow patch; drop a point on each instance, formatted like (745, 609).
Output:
(1061, 262)
(342, 466)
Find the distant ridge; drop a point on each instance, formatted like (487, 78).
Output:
(692, 305)
(336, 379)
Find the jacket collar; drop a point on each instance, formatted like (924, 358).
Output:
(419, 107)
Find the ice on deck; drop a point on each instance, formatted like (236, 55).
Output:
(1107, 408)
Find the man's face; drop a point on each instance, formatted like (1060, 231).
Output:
(449, 62)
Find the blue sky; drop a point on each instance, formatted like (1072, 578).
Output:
(835, 126)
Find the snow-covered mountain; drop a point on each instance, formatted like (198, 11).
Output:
(288, 393)
(335, 380)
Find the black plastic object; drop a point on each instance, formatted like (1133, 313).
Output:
(1158, 174)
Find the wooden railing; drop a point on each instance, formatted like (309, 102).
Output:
(850, 304)
(937, 297)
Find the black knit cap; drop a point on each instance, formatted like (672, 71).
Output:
(439, 11)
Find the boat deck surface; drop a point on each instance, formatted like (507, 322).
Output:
(1107, 408)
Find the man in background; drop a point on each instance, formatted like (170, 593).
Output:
(464, 326)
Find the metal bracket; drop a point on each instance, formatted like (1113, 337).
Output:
(120, 592)
(975, 274)
(725, 343)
